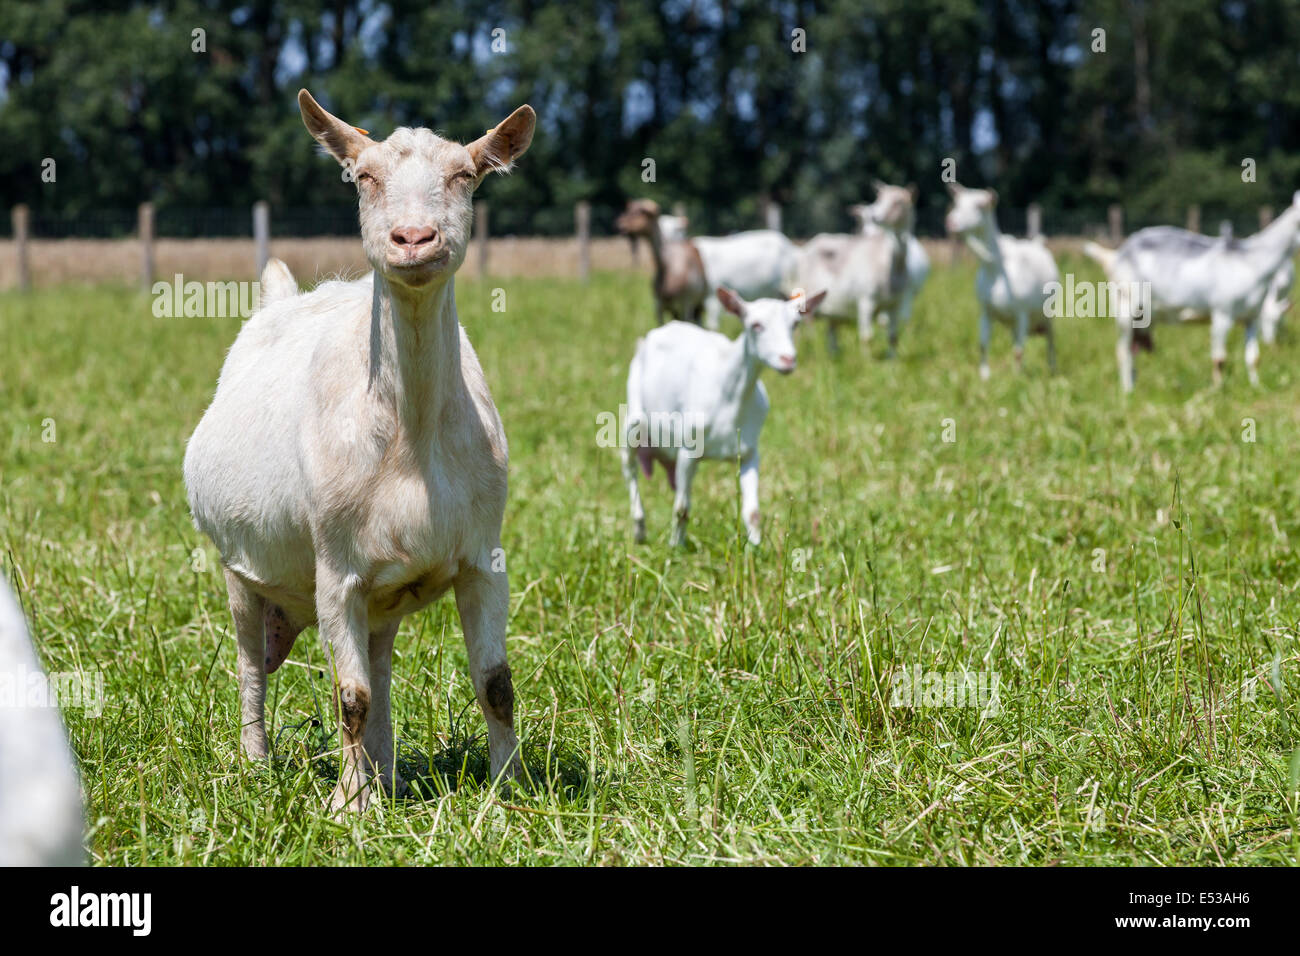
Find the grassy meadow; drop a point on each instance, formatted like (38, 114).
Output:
(1123, 568)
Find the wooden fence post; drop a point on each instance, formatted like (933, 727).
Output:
(21, 218)
(1115, 216)
(144, 226)
(772, 215)
(262, 233)
(1033, 220)
(1193, 218)
(582, 223)
(481, 235)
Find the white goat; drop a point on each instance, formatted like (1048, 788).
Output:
(755, 264)
(679, 286)
(352, 466)
(1185, 276)
(41, 820)
(695, 394)
(1014, 276)
(875, 217)
(866, 275)
(1276, 304)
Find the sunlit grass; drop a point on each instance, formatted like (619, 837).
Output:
(1123, 567)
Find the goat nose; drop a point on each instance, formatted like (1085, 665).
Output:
(787, 361)
(413, 236)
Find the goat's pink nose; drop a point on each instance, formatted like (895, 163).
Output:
(787, 361)
(413, 236)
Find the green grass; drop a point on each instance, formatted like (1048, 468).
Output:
(722, 704)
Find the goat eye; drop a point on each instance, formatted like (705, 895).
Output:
(365, 178)
(461, 177)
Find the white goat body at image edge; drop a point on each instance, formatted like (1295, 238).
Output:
(41, 818)
(1190, 275)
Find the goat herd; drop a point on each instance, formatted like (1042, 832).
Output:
(695, 394)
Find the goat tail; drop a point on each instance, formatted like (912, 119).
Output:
(277, 283)
(1100, 254)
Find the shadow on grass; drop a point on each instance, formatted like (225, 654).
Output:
(462, 762)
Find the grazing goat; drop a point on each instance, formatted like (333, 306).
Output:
(352, 466)
(1014, 274)
(694, 394)
(755, 264)
(874, 217)
(1276, 304)
(41, 818)
(1185, 276)
(866, 275)
(679, 285)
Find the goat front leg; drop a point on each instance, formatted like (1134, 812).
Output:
(712, 313)
(749, 497)
(634, 491)
(379, 744)
(342, 615)
(986, 333)
(1252, 351)
(685, 473)
(1124, 354)
(483, 601)
(1050, 334)
(247, 607)
(1022, 336)
(866, 318)
(1220, 326)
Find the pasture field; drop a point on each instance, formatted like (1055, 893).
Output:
(1123, 568)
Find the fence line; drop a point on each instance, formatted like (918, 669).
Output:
(261, 220)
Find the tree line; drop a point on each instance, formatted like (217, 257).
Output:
(720, 105)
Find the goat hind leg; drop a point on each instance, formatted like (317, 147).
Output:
(247, 607)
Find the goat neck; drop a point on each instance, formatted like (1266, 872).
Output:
(415, 351)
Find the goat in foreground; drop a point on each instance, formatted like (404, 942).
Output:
(352, 466)
(1189, 277)
(1014, 274)
(679, 285)
(695, 394)
(865, 276)
(41, 818)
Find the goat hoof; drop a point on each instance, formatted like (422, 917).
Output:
(344, 804)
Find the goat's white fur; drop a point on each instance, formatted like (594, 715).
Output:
(1012, 285)
(352, 465)
(755, 264)
(41, 818)
(708, 384)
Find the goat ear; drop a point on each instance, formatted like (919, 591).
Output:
(731, 302)
(913, 192)
(498, 148)
(809, 305)
(993, 198)
(342, 141)
(953, 189)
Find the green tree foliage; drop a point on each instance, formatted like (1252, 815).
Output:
(802, 101)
